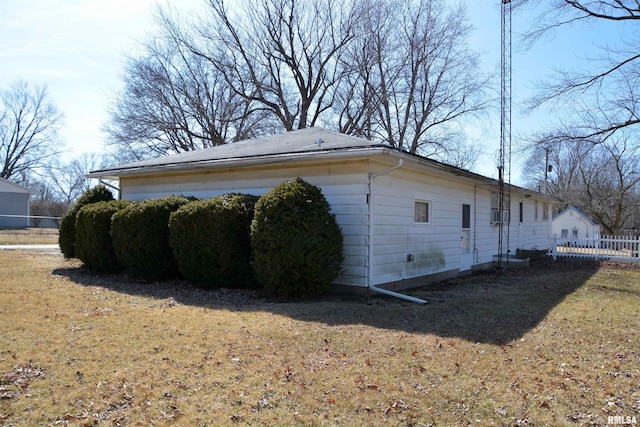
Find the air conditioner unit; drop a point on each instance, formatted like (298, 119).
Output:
(496, 214)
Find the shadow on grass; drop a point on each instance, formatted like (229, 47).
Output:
(491, 307)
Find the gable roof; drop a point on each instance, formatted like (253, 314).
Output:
(7, 186)
(292, 144)
(304, 144)
(581, 212)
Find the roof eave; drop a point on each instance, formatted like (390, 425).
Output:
(237, 162)
(116, 173)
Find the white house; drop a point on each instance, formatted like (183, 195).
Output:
(573, 223)
(406, 219)
(14, 205)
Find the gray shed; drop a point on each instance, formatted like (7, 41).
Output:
(14, 205)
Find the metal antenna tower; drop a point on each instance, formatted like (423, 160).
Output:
(504, 163)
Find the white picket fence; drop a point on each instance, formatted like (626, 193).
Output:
(621, 248)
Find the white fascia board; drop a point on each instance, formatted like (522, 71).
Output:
(115, 173)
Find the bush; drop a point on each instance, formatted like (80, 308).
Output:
(94, 245)
(296, 242)
(211, 243)
(67, 233)
(141, 237)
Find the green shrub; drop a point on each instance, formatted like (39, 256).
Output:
(94, 245)
(296, 242)
(211, 243)
(67, 233)
(141, 237)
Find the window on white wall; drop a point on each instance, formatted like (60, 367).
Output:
(466, 216)
(499, 213)
(535, 212)
(422, 214)
(545, 211)
(521, 212)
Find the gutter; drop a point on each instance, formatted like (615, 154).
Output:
(231, 162)
(370, 284)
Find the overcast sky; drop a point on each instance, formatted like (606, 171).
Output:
(78, 47)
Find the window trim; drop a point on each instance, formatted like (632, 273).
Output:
(429, 212)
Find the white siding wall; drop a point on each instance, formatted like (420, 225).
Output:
(530, 233)
(486, 233)
(344, 186)
(14, 203)
(436, 247)
(572, 219)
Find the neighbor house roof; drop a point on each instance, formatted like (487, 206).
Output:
(580, 211)
(7, 186)
(305, 144)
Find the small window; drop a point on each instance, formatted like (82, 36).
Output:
(564, 233)
(422, 212)
(535, 212)
(521, 212)
(466, 216)
(545, 211)
(574, 233)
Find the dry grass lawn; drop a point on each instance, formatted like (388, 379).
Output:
(29, 236)
(554, 344)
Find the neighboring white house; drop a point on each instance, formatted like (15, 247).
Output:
(573, 223)
(14, 205)
(406, 220)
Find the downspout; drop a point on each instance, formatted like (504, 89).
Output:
(476, 258)
(370, 284)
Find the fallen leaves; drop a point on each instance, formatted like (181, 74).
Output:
(15, 382)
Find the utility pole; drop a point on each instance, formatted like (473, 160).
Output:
(547, 169)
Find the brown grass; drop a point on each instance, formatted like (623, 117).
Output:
(555, 344)
(29, 236)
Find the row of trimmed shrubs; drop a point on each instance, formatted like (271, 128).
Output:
(286, 240)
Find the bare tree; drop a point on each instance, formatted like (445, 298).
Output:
(604, 94)
(393, 71)
(66, 181)
(602, 109)
(174, 101)
(367, 64)
(411, 78)
(29, 123)
(553, 166)
(602, 178)
(611, 184)
(280, 54)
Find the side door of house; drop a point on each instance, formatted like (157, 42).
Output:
(466, 246)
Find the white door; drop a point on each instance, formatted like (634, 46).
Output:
(466, 254)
